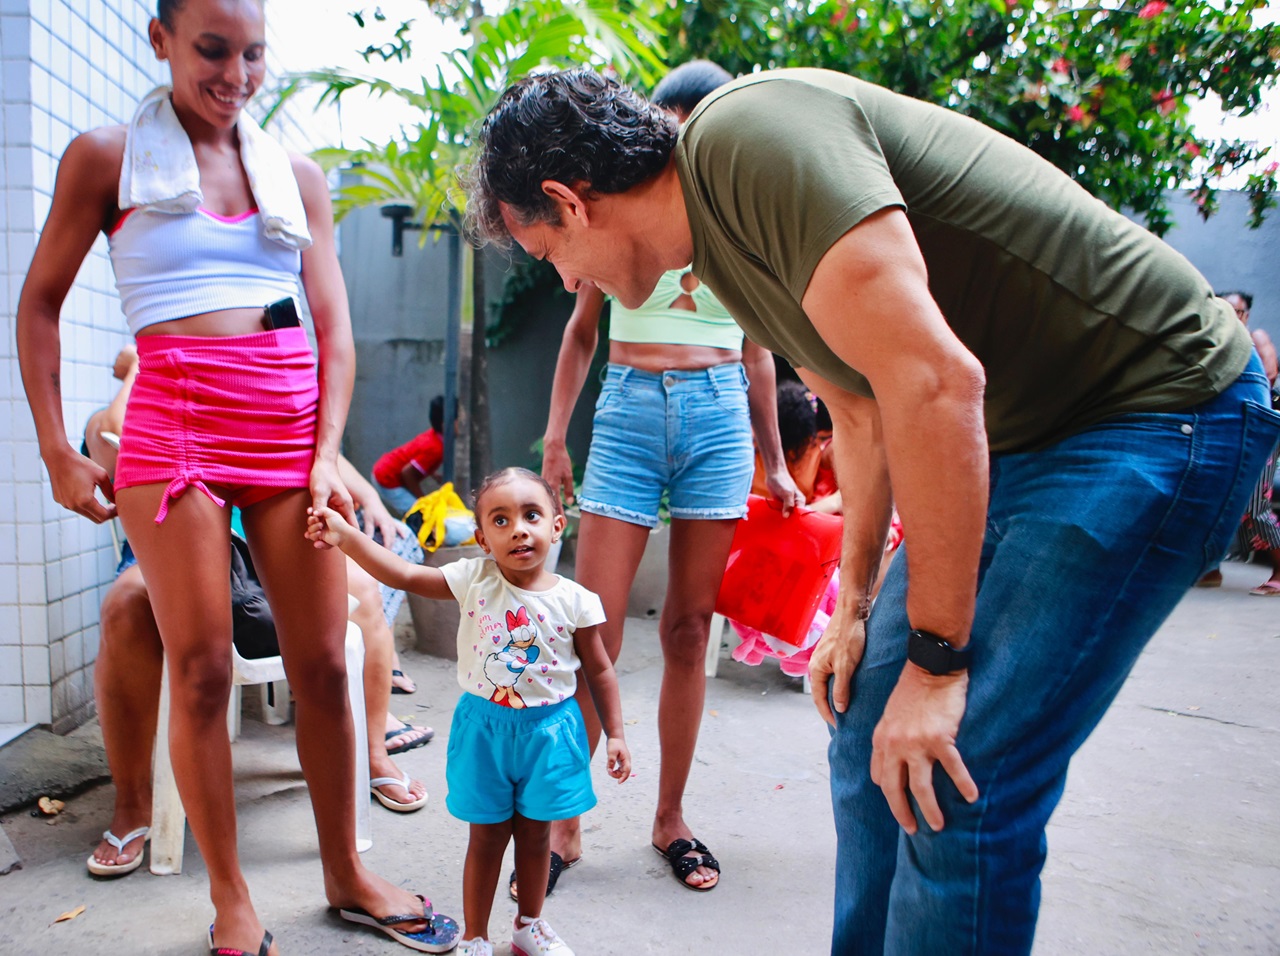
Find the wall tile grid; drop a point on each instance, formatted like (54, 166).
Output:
(66, 66)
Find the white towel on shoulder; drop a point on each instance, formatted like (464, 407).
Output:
(160, 173)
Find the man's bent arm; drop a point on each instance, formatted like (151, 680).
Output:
(869, 300)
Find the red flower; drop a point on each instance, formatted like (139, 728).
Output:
(1153, 10)
(1060, 65)
(1075, 114)
(1191, 149)
(1165, 101)
(1271, 170)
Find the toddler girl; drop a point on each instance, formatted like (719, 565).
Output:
(518, 755)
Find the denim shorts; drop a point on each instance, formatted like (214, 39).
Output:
(686, 432)
(533, 761)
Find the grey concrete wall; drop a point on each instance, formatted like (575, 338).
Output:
(398, 318)
(1231, 255)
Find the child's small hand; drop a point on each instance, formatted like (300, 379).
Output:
(326, 527)
(618, 761)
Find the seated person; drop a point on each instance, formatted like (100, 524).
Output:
(801, 423)
(130, 657)
(398, 474)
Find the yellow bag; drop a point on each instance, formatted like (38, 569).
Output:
(446, 520)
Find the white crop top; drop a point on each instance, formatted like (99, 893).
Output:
(170, 266)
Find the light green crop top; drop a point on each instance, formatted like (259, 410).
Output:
(657, 322)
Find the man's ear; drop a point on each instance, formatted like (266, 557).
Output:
(571, 201)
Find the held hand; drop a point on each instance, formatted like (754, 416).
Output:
(328, 490)
(834, 660)
(618, 760)
(917, 730)
(75, 478)
(557, 469)
(327, 528)
(783, 487)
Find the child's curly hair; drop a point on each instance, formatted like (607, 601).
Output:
(507, 475)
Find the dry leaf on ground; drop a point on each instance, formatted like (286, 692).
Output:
(70, 914)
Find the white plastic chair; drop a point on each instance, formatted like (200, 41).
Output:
(169, 819)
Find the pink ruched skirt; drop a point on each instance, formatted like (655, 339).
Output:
(238, 412)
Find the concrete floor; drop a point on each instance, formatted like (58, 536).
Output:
(1167, 841)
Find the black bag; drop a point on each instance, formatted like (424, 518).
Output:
(253, 629)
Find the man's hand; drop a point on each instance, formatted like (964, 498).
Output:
(557, 469)
(783, 487)
(836, 657)
(917, 730)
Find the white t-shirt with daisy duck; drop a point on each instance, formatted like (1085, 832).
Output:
(515, 647)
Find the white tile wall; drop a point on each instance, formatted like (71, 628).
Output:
(65, 66)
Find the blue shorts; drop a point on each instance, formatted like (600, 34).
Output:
(532, 761)
(685, 432)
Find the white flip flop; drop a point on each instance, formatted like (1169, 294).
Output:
(120, 869)
(396, 805)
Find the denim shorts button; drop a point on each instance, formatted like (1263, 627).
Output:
(1186, 429)
(669, 381)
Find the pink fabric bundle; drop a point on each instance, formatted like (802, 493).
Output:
(236, 411)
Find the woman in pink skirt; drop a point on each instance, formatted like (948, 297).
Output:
(209, 222)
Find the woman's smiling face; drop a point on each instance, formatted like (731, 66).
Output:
(217, 53)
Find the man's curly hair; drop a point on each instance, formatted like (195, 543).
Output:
(573, 126)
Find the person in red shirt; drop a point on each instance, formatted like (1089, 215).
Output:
(398, 474)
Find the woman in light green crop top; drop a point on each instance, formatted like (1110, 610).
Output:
(675, 418)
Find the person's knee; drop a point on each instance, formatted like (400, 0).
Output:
(684, 638)
(321, 676)
(200, 680)
(128, 625)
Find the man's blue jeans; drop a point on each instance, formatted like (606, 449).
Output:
(1089, 546)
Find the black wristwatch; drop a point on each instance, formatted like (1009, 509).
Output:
(935, 655)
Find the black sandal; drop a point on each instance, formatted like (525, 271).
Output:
(263, 950)
(558, 866)
(682, 865)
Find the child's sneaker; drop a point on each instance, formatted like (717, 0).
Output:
(538, 939)
(475, 947)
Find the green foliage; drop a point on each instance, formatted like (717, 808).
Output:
(1099, 89)
(418, 167)
(528, 284)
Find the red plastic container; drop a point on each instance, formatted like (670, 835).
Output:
(779, 568)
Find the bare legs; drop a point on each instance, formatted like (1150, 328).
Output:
(186, 557)
(379, 652)
(484, 866)
(127, 688)
(186, 565)
(609, 553)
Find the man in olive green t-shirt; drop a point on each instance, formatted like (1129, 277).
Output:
(1066, 417)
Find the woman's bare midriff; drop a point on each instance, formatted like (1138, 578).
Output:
(659, 357)
(220, 323)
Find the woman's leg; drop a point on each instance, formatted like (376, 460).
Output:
(698, 553)
(609, 553)
(126, 686)
(186, 562)
(307, 589)
(378, 655)
(480, 874)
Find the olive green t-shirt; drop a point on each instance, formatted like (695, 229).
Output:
(1076, 313)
